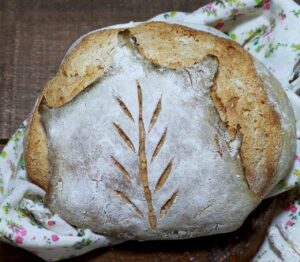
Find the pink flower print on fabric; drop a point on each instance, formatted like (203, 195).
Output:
(219, 25)
(54, 237)
(19, 240)
(21, 231)
(289, 223)
(267, 4)
(210, 9)
(290, 207)
(51, 223)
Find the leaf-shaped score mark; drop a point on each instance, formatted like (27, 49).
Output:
(124, 108)
(142, 159)
(122, 196)
(155, 115)
(121, 168)
(164, 176)
(165, 208)
(124, 136)
(159, 145)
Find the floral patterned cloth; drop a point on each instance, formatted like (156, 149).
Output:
(270, 30)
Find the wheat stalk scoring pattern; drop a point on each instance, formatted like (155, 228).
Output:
(142, 159)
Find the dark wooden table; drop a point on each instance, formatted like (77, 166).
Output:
(35, 34)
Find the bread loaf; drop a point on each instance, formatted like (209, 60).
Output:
(159, 131)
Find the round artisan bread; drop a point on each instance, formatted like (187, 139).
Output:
(159, 131)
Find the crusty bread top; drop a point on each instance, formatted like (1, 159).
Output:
(239, 93)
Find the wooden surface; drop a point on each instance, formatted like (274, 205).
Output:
(34, 35)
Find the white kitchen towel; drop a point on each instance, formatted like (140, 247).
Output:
(270, 31)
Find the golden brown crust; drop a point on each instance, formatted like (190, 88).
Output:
(83, 66)
(36, 150)
(239, 93)
(242, 99)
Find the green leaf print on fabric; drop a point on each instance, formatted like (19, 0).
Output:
(262, 31)
(168, 15)
(17, 136)
(83, 243)
(35, 198)
(1, 185)
(283, 185)
(272, 48)
(296, 48)
(25, 210)
(3, 154)
(296, 172)
(258, 48)
(24, 124)
(220, 3)
(21, 212)
(6, 208)
(235, 13)
(259, 3)
(173, 14)
(7, 237)
(296, 13)
(282, 15)
(17, 141)
(80, 233)
(21, 163)
(232, 36)
(237, 3)
(252, 37)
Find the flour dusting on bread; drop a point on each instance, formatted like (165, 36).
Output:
(157, 128)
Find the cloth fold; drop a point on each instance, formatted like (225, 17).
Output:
(270, 31)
